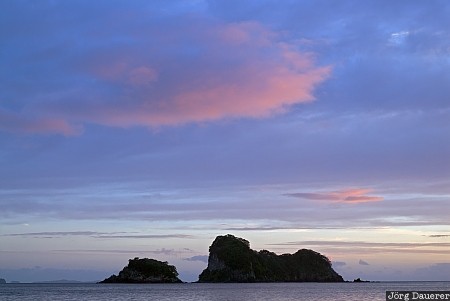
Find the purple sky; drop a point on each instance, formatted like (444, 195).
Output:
(147, 128)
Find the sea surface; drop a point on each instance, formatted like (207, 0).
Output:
(213, 292)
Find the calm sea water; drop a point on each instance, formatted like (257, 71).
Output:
(213, 292)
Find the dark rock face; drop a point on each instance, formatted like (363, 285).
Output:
(232, 260)
(2, 281)
(145, 271)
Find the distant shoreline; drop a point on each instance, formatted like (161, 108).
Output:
(225, 283)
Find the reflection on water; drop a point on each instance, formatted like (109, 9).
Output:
(213, 292)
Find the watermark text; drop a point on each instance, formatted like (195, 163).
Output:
(417, 295)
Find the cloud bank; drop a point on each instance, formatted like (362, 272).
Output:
(154, 71)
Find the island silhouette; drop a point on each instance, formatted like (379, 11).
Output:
(232, 260)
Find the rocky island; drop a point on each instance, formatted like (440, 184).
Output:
(145, 270)
(232, 260)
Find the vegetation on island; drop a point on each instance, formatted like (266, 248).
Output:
(145, 270)
(232, 260)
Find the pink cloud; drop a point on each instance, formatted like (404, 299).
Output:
(348, 196)
(356, 196)
(142, 76)
(263, 77)
(245, 32)
(20, 123)
(193, 72)
(123, 71)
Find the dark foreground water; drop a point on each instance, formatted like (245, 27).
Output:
(213, 292)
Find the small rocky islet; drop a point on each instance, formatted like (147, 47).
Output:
(232, 260)
(145, 270)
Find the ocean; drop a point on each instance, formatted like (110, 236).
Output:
(213, 292)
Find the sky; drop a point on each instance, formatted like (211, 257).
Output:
(147, 128)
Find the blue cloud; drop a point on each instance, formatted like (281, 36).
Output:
(202, 258)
